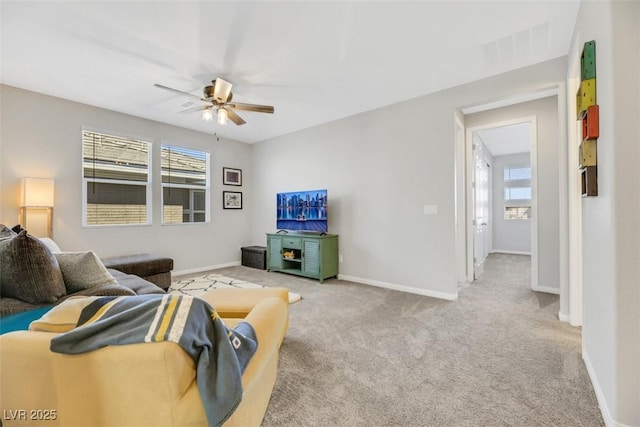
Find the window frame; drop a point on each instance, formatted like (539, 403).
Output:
(148, 184)
(510, 183)
(206, 188)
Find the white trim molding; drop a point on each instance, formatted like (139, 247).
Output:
(502, 251)
(604, 409)
(574, 198)
(402, 288)
(546, 289)
(511, 100)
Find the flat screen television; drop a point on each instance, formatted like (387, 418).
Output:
(302, 211)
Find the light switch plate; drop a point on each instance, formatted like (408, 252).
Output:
(431, 209)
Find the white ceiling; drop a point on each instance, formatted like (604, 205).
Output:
(510, 139)
(315, 61)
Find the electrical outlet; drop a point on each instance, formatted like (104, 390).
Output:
(339, 258)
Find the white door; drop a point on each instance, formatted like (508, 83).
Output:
(481, 210)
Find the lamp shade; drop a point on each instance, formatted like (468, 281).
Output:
(36, 192)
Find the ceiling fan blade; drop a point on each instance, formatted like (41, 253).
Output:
(221, 90)
(234, 117)
(194, 109)
(251, 107)
(179, 92)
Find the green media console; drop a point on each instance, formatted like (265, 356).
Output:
(309, 255)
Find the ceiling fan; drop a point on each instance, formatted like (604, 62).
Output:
(217, 98)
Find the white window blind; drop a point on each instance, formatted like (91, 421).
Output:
(116, 180)
(517, 192)
(517, 174)
(185, 185)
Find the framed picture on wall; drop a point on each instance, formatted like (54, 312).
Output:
(232, 200)
(231, 176)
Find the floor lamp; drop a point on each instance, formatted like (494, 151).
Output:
(36, 206)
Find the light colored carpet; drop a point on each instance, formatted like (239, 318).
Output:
(357, 355)
(199, 285)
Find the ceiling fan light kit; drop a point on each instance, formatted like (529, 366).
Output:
(222, 116)
(207, 115)
(218, 96)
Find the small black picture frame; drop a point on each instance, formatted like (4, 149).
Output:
(232, 200)
(231, 176)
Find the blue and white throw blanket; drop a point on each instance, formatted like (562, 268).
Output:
(220, 354)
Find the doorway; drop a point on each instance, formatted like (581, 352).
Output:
(501, 192)
(552, 243)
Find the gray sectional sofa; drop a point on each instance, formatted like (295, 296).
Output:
(35, 273)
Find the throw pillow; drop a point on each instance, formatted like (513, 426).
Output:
(83, 270)
(63, 317)
(6, 232)
(53, 247)
(29, 270)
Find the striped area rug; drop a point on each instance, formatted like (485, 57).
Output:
(198, 286)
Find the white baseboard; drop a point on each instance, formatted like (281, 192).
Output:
(402, 288)
(563, 317)
(504, 251)
(201, 269)
(546, 289)
(604, 409)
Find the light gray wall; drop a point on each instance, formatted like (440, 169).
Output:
(41, 138)
(508, 235)
(381, 168)
(610, 226)
(546, 112)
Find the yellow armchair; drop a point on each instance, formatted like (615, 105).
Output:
(150, 384)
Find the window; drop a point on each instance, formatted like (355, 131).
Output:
(116, 180)
(517, 174)
(185, 185)
(517, 212)
(517, 193)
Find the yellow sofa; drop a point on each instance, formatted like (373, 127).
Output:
(150, 384)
